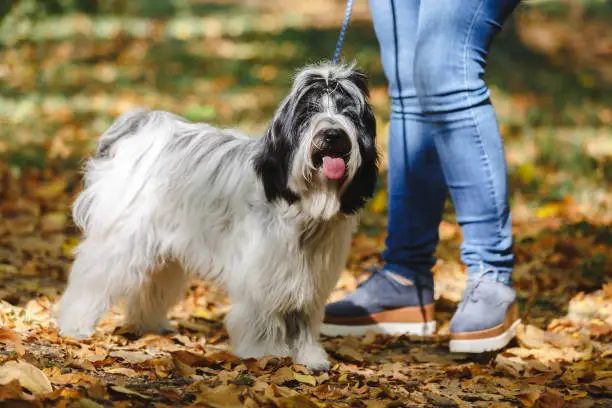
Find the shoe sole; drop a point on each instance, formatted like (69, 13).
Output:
(418, 329)
(486, 344)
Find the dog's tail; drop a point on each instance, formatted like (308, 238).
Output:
(125, 125)
(113, 180)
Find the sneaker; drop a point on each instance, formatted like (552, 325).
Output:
(487, 317)
(382, 304)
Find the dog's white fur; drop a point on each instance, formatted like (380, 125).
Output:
(166, 199)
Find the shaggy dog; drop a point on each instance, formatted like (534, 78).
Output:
(271, 218)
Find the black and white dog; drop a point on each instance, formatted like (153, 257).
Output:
(270, 218)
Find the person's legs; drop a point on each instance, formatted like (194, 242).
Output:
(416, 187)
(450, 60)
(416, 197)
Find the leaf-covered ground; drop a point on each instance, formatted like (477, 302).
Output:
(64, 77)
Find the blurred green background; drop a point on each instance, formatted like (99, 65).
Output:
(68, 67)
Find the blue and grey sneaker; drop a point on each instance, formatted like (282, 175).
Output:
(382, 304)
(487, 316)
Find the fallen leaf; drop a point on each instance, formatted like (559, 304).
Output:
(73, 378)
(549, 399)
(87, 403)
(11, 390)
(306, 379)
(223, 396)
(122, 371)
(203, 314)
(440, 400)
(600, 387)
(126, 391)
(132, 357)
(30, 377)
(282, 375)
(268, 362)
(528, 399)
(191, 359)
(8, 336)
(350, 354)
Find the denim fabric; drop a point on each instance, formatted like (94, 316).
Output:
(444, 133)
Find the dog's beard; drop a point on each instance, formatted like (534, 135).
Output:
(319, 189)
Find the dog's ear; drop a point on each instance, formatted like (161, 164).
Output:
(362, 187)
(272, 163)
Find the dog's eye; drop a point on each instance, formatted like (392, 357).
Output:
(351, 112)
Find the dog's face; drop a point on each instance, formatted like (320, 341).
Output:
(320, 148)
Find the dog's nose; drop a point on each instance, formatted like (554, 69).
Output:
(333, 136)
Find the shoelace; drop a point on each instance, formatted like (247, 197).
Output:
(475, 283)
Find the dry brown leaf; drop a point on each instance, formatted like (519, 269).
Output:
(128, 372)
(268, 362)
(528, 398)
(223, 396)
(74, 378)
(190, 359)
(30, 377)
(549, 399)
(132, 357)
(440, 400)
(600, 387)
(8, 336)
(296, 401)
(222, 357)
(126, 391)
(350, 354)
(532, 337)
(11, 390)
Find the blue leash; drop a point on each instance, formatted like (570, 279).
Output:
(345, 24)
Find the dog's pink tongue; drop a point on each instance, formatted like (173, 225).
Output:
(333, 167)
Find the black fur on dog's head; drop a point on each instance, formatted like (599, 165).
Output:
(325, 118)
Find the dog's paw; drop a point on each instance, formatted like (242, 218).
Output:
(76, 333)
(162, 327)
(315, 358)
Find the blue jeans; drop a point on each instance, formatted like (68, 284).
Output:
(444, 133)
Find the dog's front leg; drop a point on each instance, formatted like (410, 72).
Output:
(303, 330)
(255, 332)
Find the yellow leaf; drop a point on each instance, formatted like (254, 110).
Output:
(30, 377)
(526, 172)
(52, 189)
(282, 375)
(550, 210)
(575, 395)
(528, 398)
(203, 314)
(69, 245)
(305, 378)
(379, 202)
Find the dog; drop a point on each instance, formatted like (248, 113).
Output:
(271, 219)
